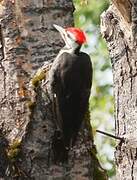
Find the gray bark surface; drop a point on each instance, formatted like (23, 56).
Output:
(119, 28)
(27, 119)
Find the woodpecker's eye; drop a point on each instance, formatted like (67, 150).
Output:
(70, 36)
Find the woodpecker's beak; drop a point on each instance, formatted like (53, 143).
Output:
(60, 29)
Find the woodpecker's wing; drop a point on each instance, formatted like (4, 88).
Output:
(74, 73)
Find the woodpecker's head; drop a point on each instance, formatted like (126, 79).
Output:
(73, 37)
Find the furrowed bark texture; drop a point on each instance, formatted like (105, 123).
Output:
(27, 119)
(119, 28)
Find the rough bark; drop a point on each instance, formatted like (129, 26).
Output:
(27, 116)
(119, 28)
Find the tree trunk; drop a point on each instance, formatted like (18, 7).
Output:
(119, 28)
(27, 114)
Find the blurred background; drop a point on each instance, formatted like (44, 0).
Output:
(87, 17)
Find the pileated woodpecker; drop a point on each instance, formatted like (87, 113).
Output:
(70, 80)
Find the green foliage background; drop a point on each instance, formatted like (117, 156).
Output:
(87, 17)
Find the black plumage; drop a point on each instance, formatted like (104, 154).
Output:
(71, 80)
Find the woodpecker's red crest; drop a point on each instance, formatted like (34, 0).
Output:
(78, 33)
